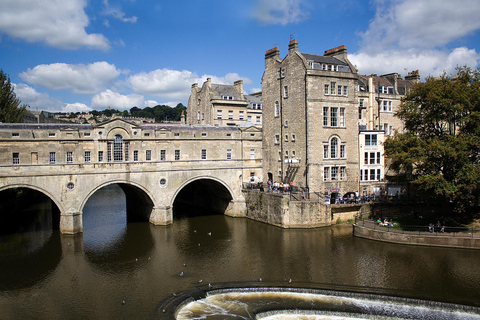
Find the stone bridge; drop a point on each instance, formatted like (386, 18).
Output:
(159, 167)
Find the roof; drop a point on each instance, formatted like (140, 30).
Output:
(220, 90)
(323, 59)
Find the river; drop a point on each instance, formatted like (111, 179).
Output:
(120, 270)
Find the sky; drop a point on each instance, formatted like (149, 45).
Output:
(82, 55)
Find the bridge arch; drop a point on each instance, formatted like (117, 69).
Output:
(201, 195)
(36, 188)
(139, 199)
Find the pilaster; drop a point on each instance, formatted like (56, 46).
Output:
(161, 216)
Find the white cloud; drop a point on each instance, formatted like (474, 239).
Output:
(109, 98)
(117, 13)
(174, 84)
(79, 78)
(60, 24)
(151, 103)
(280, 11)
(37, 100)
(420, 23)
(413, 34)
(76, 107)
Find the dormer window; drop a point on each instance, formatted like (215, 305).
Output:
(227, 98)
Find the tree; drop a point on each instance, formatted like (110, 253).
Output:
(439, 152)
(9, 110)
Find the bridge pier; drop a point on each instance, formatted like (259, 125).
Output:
(161, 216)
(236, 208)
(71, 222)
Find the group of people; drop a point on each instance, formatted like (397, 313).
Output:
(279, 186)
(437, 227)
(385, 223)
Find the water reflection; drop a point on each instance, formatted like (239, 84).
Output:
(90, 275)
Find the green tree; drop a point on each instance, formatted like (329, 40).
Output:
(439, 152)
(9, 110)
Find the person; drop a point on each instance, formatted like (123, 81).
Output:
(430, 227)
(303, 194)
(269, 184)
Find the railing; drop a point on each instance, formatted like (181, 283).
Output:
(420, 230)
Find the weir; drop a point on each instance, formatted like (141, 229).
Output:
(272, 303)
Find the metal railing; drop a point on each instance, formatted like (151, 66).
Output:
(420, 229)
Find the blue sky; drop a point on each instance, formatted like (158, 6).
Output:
(79, 55)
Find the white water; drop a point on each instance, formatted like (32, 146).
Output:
(246, 305)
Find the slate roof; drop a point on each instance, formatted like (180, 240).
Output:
(220, 90)
(323, 59)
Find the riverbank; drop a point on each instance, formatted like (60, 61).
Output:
(367, 229)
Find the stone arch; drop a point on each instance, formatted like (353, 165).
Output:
(202, 189)
(132, 191)
(36, 188)
(118, 131)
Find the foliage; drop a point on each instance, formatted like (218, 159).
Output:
(159, 112)
(9, 110)
(439, 152)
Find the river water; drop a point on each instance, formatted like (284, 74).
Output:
(120, 270)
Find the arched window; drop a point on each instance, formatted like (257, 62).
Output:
(334, 148)
(118, 148)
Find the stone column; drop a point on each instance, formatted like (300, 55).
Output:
(71, 222)
(161, 216)
(236, 209)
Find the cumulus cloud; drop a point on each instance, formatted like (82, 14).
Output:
(280, 11)
(174, 84)
(80, 78)
(37, 100)
(60, 24)
(76, 107)
(109, 98)
(413, 34)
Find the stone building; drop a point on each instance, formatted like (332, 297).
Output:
(223, 105)
(379, 97)
(310, 120)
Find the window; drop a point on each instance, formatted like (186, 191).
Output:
(219, 114)
(240, 115)
(229, 134)
(135, 155)
(258, 120)
(86, 134)
(146, 134)
(334, 173)
(16, 158)
(285, 92)
(372, 174)
(252, 154)
(333, 117)
(162, 155)
(229, 154)
(325, 152)
(277, 110)
(326, 173)
(372, 158)
(204, 134)
(339, 92)
(69, 157)
(327, 89)
(286, 154)
(285, 123)
(345, 90)
(378, 174)
(87, 156)
(204, 154)
(360, 109)
(342, 151)
(293, 154)
(334, 148)
(342, 117)
(51, 134)
(365, 158)
(389, 105)
(286, 138)
(249, 119)
(109, 151)
(230, 114)
(332, 87)
(365, 174)
(378, 157)
(203, 116)
(343, 174)
(198, 115)
(177, 154)
(385, 128)
(325, 116)
(148, 155)
(127, 151)
(279, 156)
(370, 139)
(118, 148)
(176, 134)
(277, 139)
(15, 135)
(100, 156)
(293, 138)
(52, 157)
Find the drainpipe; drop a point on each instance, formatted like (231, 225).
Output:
(306, 132)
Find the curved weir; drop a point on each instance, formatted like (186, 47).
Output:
(274, 303)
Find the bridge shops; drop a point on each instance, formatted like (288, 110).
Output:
(161, 168)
